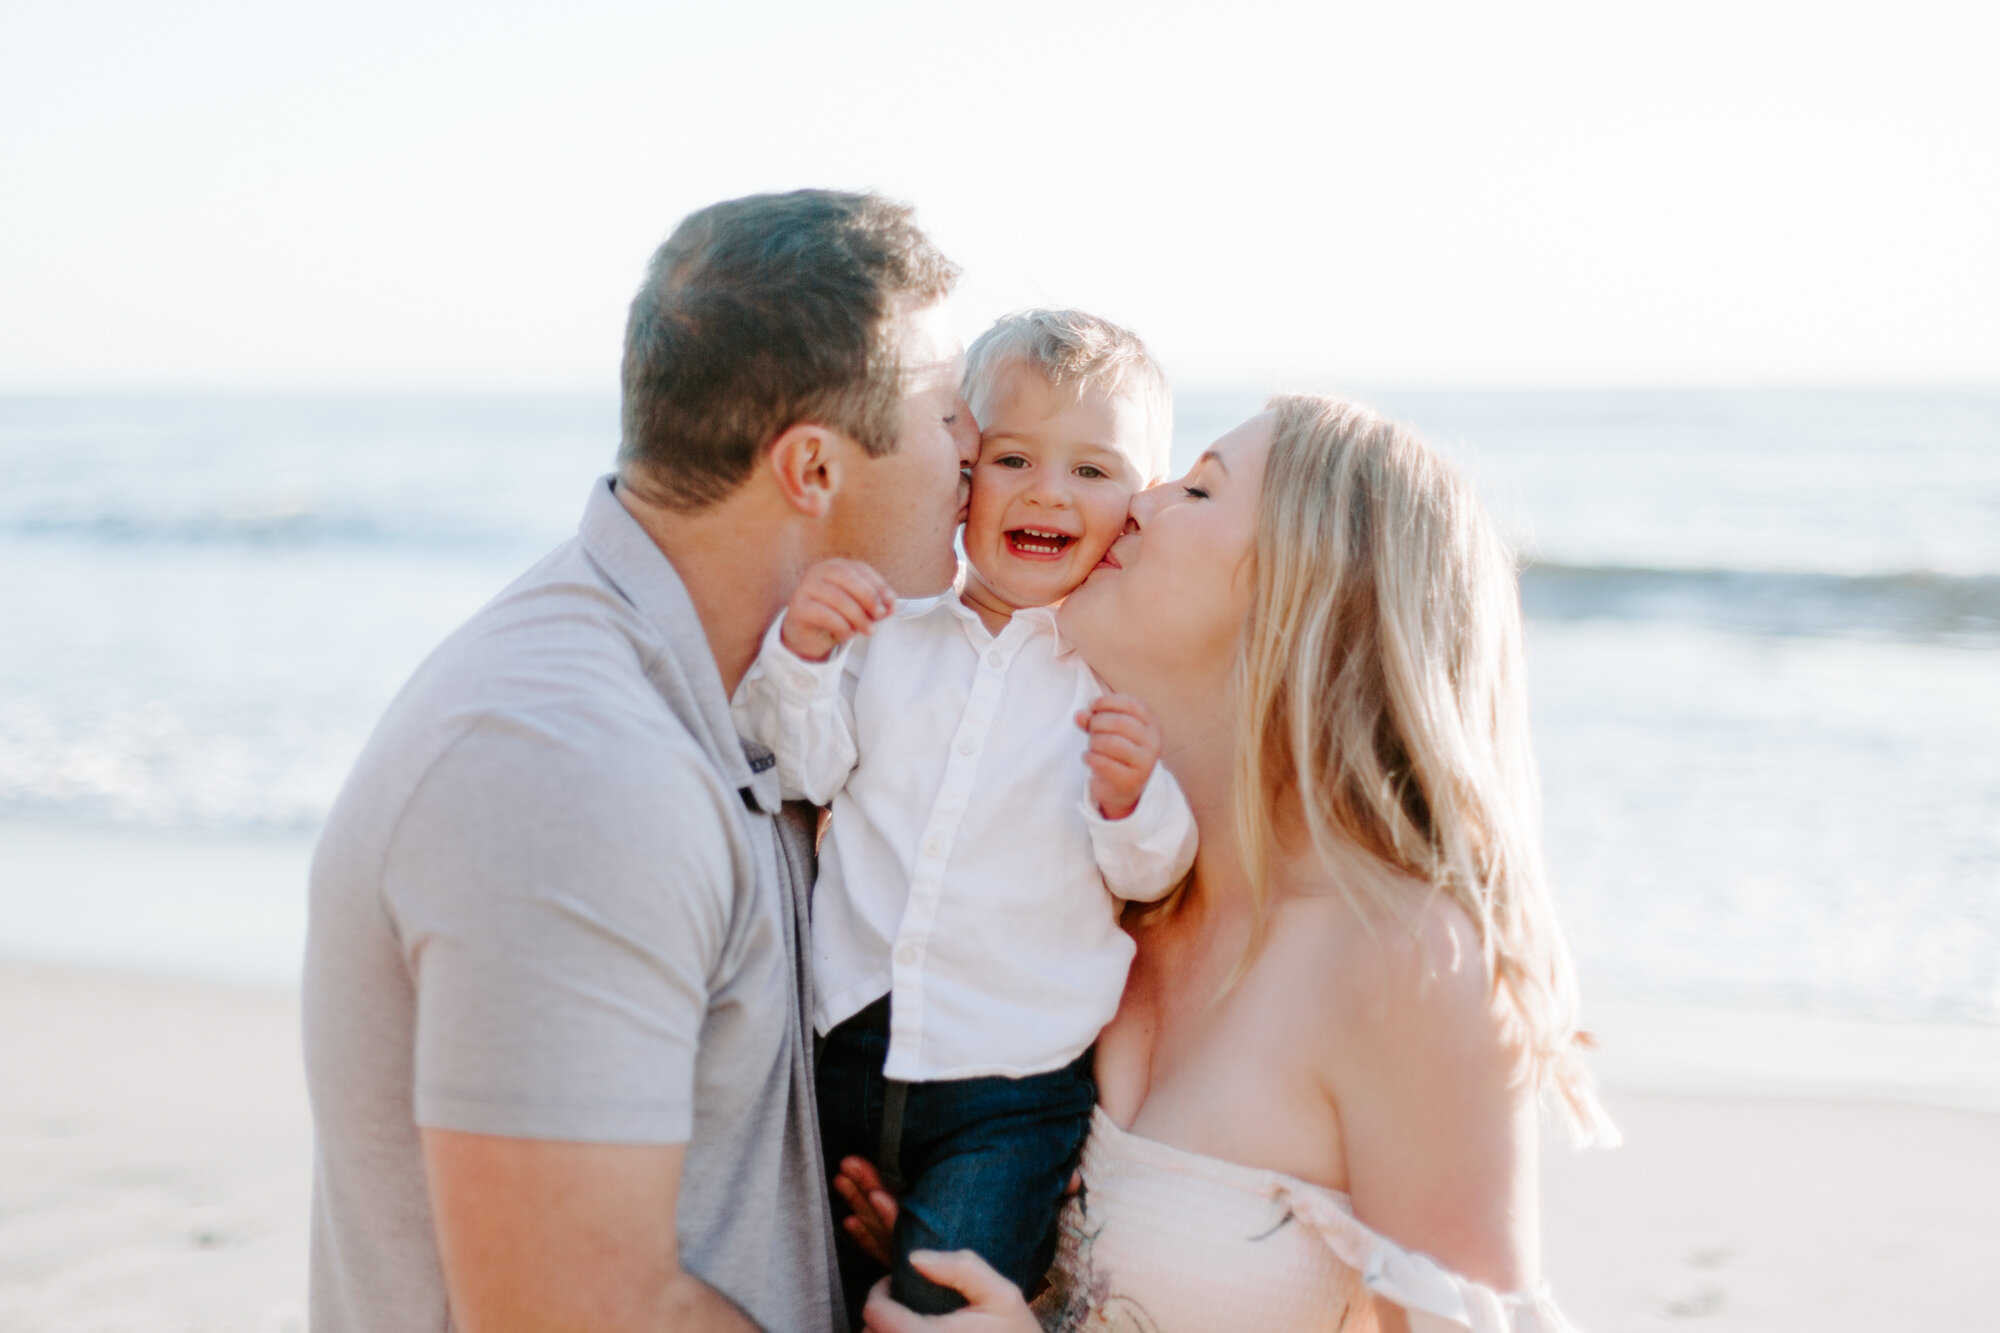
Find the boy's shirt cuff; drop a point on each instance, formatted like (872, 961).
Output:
(794, 676)
(1145, 854)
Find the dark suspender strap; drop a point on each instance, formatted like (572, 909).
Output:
(889, 1156)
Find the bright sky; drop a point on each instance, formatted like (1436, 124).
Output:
(424, 195)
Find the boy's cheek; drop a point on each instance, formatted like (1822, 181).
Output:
(1097, 540)
(1112, 519)
(981, 509)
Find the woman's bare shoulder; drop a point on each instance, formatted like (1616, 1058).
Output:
(1436, 1120)
(1407, 977)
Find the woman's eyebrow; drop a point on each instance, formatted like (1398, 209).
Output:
(1210, 456)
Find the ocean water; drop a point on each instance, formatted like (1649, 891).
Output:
(1764, 630)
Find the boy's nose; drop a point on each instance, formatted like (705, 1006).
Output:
(1050, 492)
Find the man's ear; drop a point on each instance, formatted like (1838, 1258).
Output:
(807, 461)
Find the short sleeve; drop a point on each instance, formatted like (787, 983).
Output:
(562, 888)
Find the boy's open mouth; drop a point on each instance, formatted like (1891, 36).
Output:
(1037, 543)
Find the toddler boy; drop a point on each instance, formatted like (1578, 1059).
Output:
(966, 948)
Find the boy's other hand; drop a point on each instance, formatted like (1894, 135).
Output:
(836, 600)
(873, 1225)
(1124, 746)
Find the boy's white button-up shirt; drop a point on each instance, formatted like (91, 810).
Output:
(965, 872)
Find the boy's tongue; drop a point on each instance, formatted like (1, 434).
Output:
(1035, 544)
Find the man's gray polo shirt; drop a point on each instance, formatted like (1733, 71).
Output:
(555, 901)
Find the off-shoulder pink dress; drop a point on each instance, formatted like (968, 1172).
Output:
(1162, 1240)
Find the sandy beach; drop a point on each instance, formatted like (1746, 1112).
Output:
(155, 1156)
(154, 1175)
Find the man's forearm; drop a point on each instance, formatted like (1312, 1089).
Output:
(539, 1236)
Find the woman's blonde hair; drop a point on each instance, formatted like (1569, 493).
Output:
(1381, 681)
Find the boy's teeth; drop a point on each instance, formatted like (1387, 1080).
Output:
(1042, 543)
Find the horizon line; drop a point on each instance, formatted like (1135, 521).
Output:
(446, 390)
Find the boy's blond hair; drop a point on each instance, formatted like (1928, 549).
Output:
(1076, 352)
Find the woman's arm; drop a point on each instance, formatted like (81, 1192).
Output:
(1436, 1110)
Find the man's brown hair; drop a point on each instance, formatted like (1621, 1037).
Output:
(757, 314)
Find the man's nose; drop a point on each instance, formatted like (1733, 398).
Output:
(965, 433)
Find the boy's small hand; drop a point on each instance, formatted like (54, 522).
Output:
(1124, 746)
(836, 600)
(873, 1224)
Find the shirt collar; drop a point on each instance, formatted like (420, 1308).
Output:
(1033, 619)
(911, 608)
(685, 672)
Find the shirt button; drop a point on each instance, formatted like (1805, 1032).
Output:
(995, 658)
(967, 744)
(906, 954)
(932, 847)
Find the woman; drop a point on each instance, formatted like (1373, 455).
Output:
(1317, 1100)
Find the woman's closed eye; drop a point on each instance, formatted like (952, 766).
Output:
(1195, 492)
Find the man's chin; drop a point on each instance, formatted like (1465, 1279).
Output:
(931, 583)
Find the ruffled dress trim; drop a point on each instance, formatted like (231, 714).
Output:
(1435, 1297)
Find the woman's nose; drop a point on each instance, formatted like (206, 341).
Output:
(1145, 504)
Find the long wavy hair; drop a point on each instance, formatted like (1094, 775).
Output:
(1381, 682)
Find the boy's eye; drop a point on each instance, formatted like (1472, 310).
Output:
(1090, 471)
(1010, 460)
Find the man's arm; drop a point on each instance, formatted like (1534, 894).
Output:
(540, 1234)
(561, 888)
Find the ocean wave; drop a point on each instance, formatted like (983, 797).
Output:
(280, 527)
(1910, 604)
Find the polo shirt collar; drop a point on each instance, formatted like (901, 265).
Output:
(685, 673)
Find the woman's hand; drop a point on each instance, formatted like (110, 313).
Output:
(873, 1225)
(995, 1304)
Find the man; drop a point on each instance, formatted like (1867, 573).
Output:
(555, 1006)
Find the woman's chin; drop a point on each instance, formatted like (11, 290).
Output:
(1081, 592)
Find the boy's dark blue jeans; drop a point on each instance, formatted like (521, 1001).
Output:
(982, 1163)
